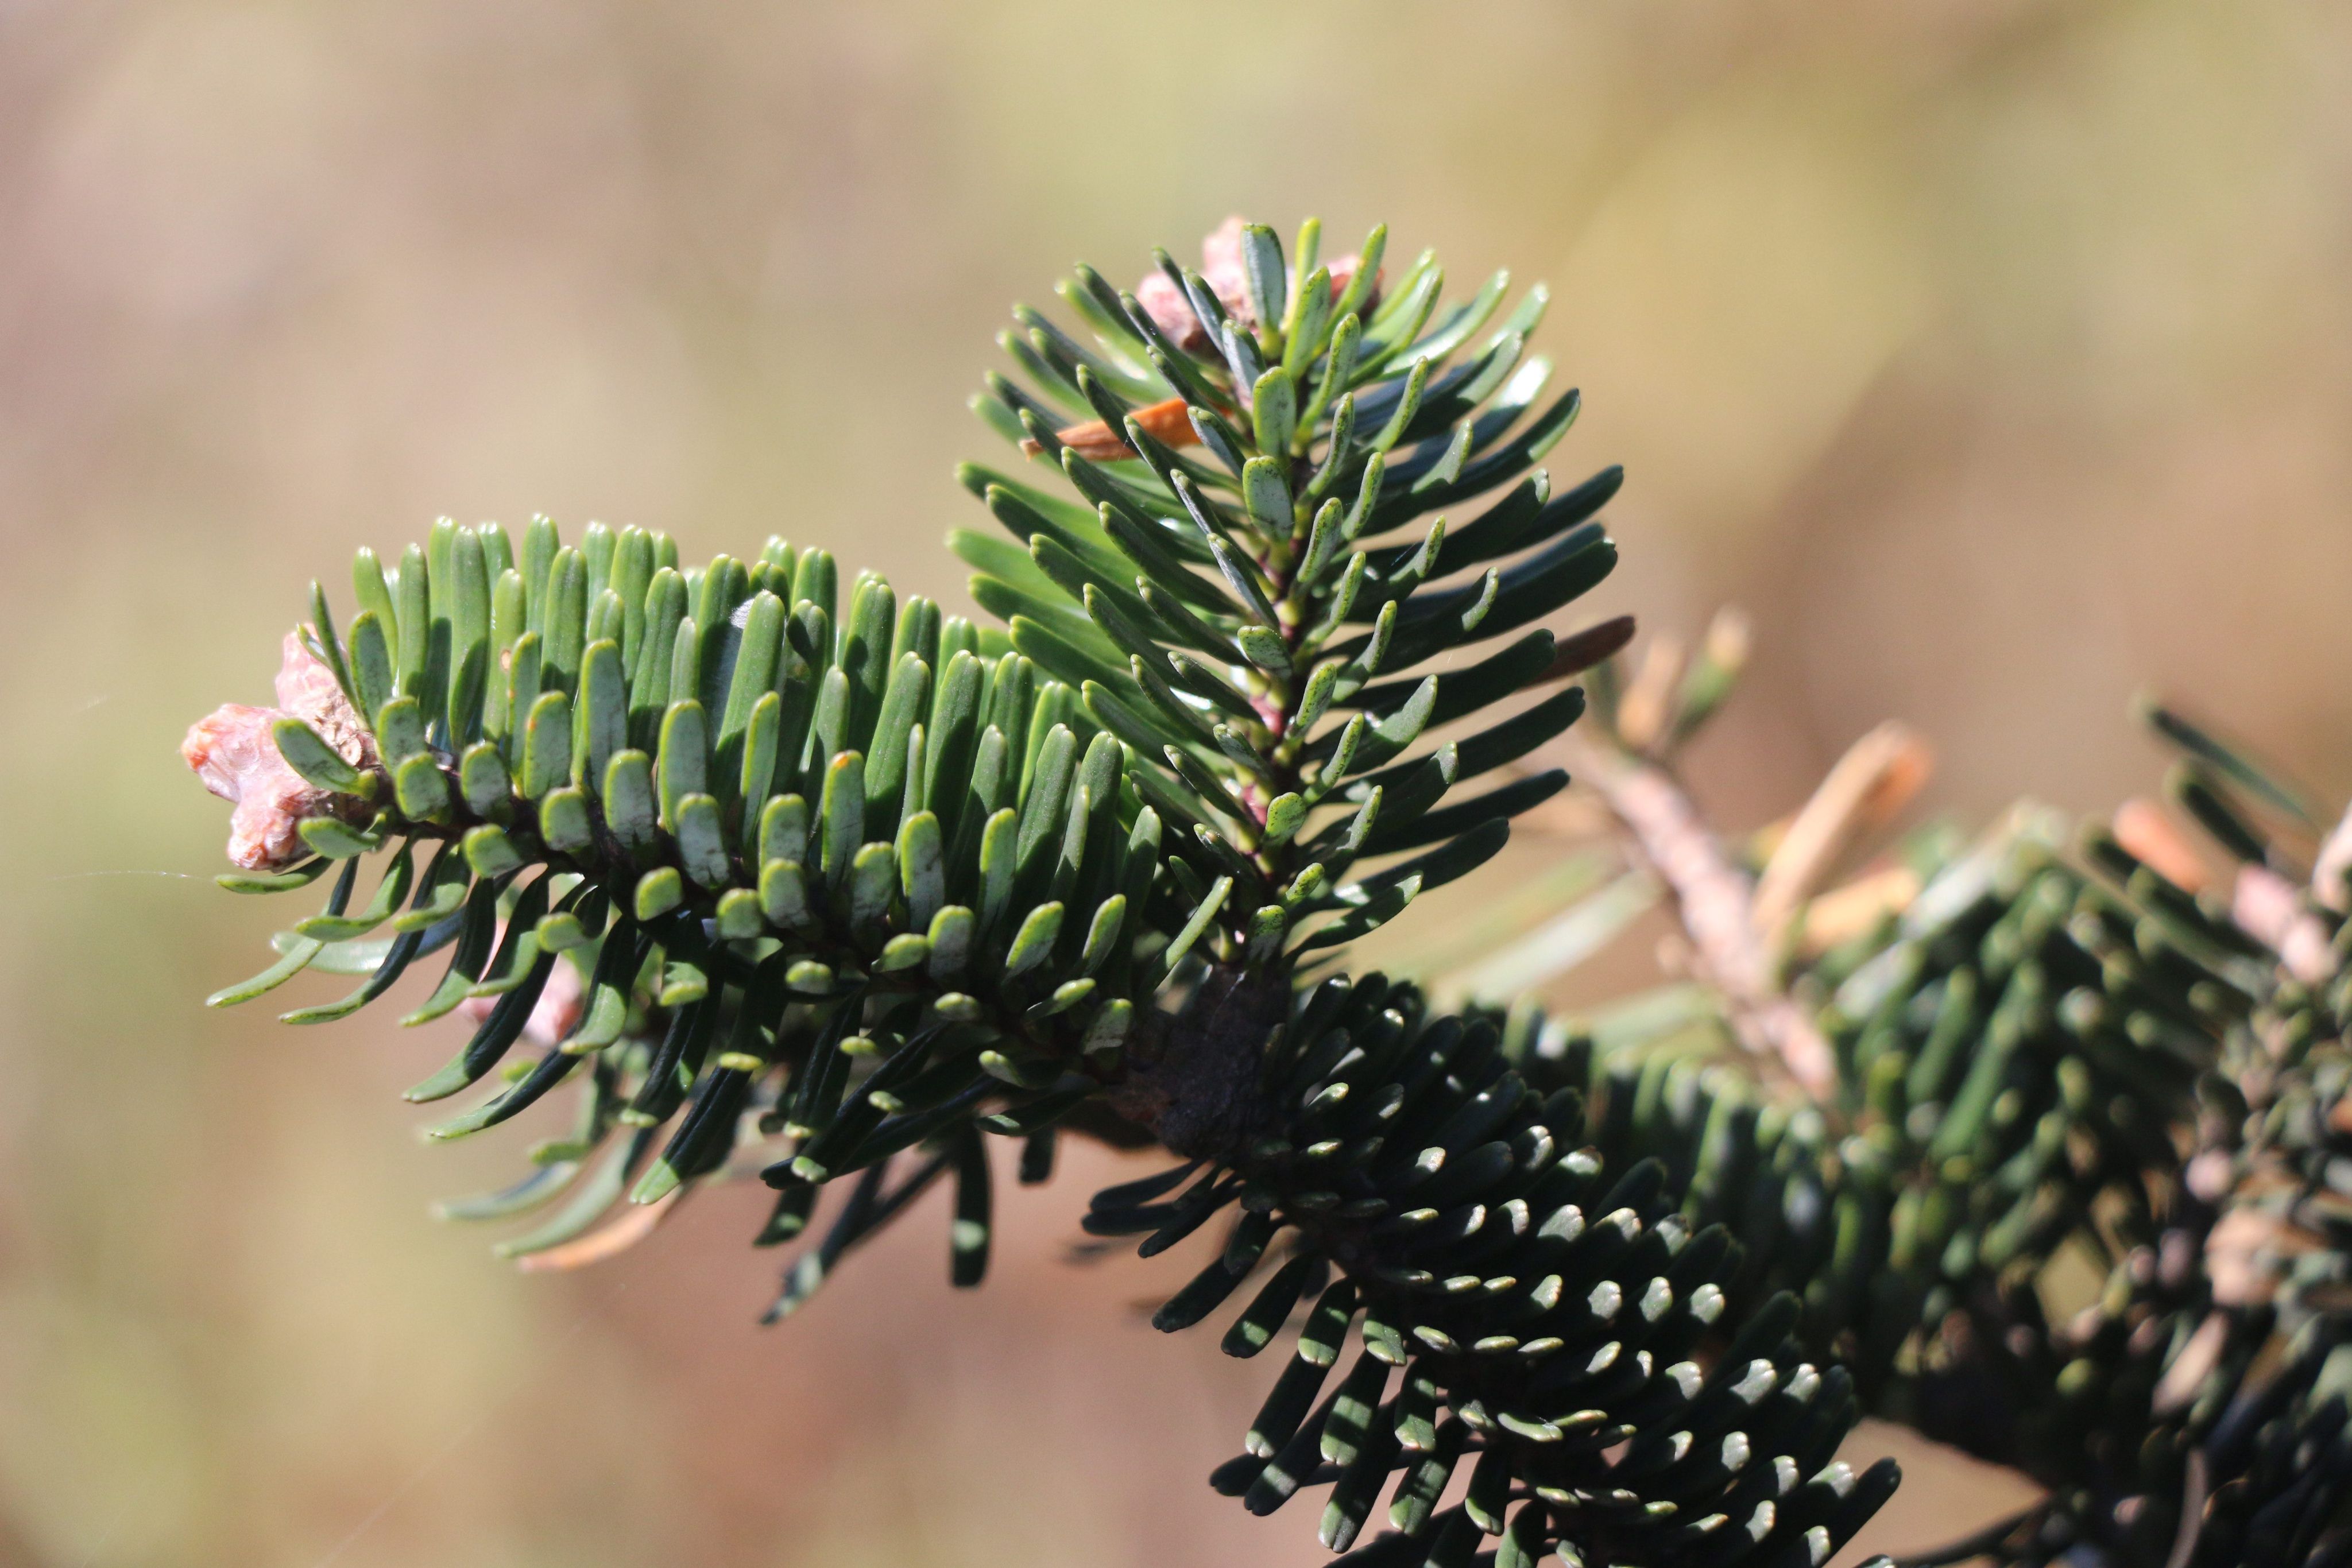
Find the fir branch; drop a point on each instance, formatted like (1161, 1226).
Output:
(833, 891)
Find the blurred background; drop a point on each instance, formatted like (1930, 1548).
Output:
(1996, 355)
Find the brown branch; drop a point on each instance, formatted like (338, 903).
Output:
(1716, 902)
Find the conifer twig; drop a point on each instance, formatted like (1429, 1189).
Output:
(1715, 900)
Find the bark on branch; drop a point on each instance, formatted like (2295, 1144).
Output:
(1716, 902)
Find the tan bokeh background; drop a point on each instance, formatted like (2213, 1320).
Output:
(1995, 353)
